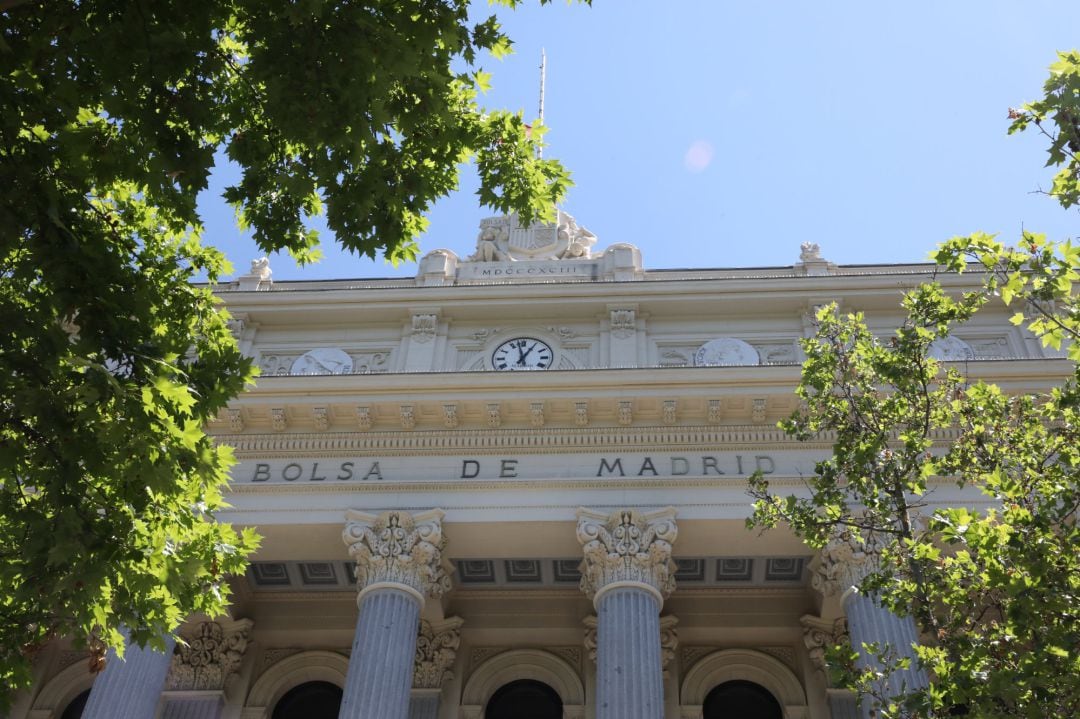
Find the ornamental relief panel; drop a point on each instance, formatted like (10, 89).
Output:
(319, 361)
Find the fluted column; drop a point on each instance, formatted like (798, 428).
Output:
(843, 564)
(868, 622)
(130, 688)
(398, 563)
(627, 572)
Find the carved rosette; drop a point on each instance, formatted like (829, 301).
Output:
(209, 654)
(436, 648)
(627, 547)
(819, 635)
(398, 548)
(842, 565)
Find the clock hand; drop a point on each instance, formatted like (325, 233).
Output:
(521, 358)
(531, 348)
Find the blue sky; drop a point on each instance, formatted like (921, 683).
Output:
(712, 133)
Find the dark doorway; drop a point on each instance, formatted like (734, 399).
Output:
(741, 700)
(311, 700)
(524, 699)
(75, 708)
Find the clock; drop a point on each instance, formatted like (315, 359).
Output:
(522, 353)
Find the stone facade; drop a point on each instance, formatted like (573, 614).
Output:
(536, 455)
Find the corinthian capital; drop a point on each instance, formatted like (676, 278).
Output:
(819, 635)
(398, 548)
(843, 563)
(627, 547)
(436, 647)
(210, 653)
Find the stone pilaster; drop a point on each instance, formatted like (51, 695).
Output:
(130, 688)
(424, 704)
(398, 563)
(436, 649)
(841, 568)
(628, 572)
(819, 635)
(205, 661)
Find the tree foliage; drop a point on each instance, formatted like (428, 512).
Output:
(114, 113)
(995, 590)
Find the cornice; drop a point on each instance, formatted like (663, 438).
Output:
(538, 441)
(654, 282)
(555, 441)
(548, 382)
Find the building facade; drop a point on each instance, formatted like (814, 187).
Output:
(515, 486)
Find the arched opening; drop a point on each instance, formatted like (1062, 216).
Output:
(310, 700)
(74, 710)
(741, 700)
(524, 699)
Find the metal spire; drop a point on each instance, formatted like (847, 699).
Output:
(543, 77)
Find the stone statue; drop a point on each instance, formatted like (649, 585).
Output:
(487, 249)
(261, 268)
(811, 252)
(577, 239)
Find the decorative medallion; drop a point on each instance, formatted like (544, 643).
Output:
(725, 351)
(951, 349)
(322, 360)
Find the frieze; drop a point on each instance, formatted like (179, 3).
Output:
(373, 469)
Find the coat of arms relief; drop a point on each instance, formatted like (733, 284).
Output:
(505, 239)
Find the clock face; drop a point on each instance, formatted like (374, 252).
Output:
(522, 353)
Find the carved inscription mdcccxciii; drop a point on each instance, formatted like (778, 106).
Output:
(437, 469)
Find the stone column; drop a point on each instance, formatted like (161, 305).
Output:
(628, 572)
(843, 564)
(130, 688)
(398, 563)
(436, 649)
(202, 667)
